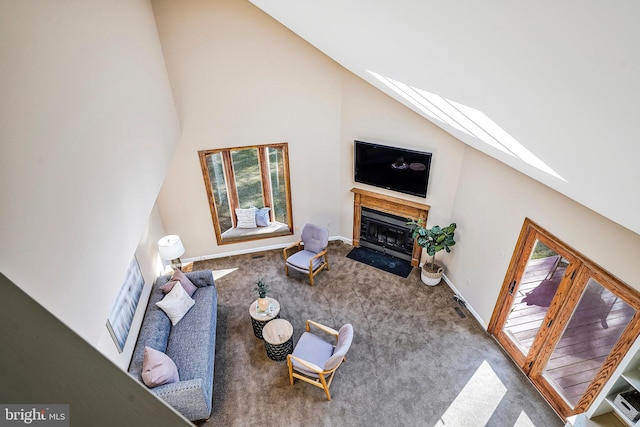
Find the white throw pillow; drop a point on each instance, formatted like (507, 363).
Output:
(246, 218)
(176, 303)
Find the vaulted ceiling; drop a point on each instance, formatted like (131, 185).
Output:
(550, 88)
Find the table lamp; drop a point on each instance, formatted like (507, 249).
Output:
(171, 249)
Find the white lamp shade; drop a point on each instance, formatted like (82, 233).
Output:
(170, 247)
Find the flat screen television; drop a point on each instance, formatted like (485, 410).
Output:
(393, 168)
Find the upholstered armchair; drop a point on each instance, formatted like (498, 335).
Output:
(314, 360)
(309, 254)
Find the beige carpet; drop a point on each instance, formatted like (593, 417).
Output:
(414, 361)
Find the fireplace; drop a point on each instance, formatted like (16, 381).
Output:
(386, 233)
(380, 223)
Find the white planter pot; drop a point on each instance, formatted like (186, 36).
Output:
(429, 278)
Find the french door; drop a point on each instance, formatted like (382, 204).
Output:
(563, 320)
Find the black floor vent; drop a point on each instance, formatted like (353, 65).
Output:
(257, 256)
(460, 313)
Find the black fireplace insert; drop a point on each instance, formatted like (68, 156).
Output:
(386, 233)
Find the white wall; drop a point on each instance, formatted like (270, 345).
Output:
(559, 77)
(151, 267)
(370, 115)
(241, 78)
(492, 202)
(88, 129)
(88, 126)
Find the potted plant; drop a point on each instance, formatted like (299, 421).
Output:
(433, 240)
(262, 288)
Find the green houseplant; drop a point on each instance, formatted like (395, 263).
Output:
(262, 288)
(433, 240)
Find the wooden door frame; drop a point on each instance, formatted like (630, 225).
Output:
(529, 233)
(580, 270)
(630, 296)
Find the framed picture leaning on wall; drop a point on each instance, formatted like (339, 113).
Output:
(125, 304)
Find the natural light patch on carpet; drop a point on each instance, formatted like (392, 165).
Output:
(477, 401)
(524, 421)
(218, 274)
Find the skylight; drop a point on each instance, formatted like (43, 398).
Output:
(470, 121)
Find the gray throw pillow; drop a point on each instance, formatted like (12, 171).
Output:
(262, 217)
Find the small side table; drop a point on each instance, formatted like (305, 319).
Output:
(278, 339)
(259, 319)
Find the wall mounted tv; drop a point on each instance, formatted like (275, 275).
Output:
(398, 169)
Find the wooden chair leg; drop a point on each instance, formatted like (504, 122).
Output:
(311, 277)
(325, 386)
(290, 365)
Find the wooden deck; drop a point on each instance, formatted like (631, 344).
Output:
(594, 328)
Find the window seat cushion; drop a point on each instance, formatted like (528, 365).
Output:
(272, 230)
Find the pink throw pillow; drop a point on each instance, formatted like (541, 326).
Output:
(178, 276)
(158, 368)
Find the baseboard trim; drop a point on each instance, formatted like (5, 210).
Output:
(332, 238)
(469, 307)
(254, 250)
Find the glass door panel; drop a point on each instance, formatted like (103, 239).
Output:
(595, 326)
(563, 320)
(533, 295)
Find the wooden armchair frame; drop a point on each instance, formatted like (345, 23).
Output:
(299, 245)
(324, 377)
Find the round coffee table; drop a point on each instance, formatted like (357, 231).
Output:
(259, 319)
(278, 339)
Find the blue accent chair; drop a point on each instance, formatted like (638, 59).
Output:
(309, 254)
(315, 360)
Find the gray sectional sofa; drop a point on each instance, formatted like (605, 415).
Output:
(190, 344)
